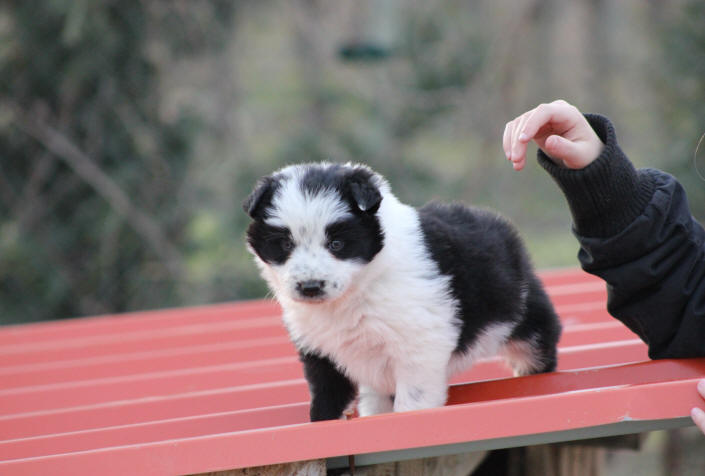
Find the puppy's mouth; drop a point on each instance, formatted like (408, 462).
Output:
(309, 300)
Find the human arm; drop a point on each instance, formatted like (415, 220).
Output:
(634, 226)
(697, 414)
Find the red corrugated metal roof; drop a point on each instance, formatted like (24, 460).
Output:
(220, 387)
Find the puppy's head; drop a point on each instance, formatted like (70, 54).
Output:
(314, 228)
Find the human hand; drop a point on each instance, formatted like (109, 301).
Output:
(559, 129)
(697, 414)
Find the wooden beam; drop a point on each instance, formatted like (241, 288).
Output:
(299, 468)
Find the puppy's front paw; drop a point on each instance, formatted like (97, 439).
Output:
(417, 396)
(372, 403)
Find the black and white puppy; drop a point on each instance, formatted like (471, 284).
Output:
(388, 301)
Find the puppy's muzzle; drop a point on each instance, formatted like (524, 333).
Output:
(311, 289)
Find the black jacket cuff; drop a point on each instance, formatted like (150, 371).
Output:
(609, 193)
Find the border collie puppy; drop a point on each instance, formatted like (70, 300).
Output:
(386, 301)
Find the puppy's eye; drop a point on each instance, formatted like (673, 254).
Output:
(287, 244)
(335, 245)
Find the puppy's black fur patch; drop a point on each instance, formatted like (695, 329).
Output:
(492, 277)
(356, 185)
(362, 238)
(257, 202)
(331, 391)
(271, 243)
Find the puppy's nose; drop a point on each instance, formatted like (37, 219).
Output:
(310, 288)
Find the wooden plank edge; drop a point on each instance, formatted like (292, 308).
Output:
(578, 434)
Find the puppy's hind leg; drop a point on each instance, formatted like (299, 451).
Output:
(532, 347)
(526, 358)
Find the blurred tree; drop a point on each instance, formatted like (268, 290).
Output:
(92, 169)
(681, 89)
(130, 131)
(407, 84)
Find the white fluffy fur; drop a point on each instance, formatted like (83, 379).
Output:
(390, 324)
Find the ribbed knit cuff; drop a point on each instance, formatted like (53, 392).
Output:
(609, 193)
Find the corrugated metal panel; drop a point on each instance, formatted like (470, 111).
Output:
(219, 387)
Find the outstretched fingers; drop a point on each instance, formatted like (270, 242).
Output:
(514, 142)
(537, 124)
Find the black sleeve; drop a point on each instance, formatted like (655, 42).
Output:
(636, 232)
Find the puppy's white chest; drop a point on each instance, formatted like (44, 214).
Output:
(364, 346)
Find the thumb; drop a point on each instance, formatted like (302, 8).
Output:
(564, 151)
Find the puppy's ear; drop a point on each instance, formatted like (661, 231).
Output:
(260, 197)
(365, 192)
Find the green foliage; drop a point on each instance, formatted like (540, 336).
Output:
(683, 94)
(172, 110)
(88, 70)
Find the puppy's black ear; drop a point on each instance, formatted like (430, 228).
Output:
(364, 192)
(260, 197)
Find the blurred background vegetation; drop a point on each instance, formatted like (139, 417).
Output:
(130, 132)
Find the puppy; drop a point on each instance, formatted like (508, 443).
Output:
(386, 301)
